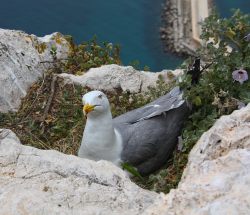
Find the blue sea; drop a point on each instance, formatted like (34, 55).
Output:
(224, 6)
(132, 24)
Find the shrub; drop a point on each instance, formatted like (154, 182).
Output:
(218, 92)
(90, 54)
(226, 50)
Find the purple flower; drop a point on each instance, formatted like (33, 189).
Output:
(240, 75)
(247, 38)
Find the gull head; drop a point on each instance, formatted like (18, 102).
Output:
(95, 103)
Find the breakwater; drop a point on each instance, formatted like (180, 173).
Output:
(181, 24)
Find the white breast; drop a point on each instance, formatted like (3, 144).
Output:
(101, 142)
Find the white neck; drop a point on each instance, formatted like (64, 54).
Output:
(100, 140)
(101, 130)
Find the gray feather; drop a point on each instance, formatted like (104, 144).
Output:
(150, 133)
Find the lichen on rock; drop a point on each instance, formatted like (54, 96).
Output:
(23, 59)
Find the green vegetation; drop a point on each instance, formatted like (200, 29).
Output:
(90, 54)
(217, 93)
(51, 114)
(40, 47)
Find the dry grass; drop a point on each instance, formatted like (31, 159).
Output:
(51, 117)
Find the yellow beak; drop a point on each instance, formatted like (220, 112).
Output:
(88, 108)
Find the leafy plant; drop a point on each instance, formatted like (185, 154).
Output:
(91, 54)
(53, 52)
(217, 92)
(226, 49)
(132, 170)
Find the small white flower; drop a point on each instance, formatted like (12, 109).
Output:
(240, 75)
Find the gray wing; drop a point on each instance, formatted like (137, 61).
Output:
(150, 133)
(171, 100)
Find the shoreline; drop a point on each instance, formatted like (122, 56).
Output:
(176, 32)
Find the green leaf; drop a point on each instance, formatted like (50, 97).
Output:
(197, 101)
(131, 169)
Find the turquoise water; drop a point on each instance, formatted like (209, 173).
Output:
(132, 24)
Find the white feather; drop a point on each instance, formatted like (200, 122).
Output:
(100, 142)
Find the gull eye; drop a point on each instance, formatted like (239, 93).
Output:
(100, 96)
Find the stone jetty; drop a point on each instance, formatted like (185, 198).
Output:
(182, 24)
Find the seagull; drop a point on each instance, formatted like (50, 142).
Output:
(144, 138)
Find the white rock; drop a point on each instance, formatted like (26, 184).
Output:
(216, 180)
(43, 182)
(20, 63)
(111, 77)
(21, 55)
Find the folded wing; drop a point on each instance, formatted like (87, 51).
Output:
(150, 133)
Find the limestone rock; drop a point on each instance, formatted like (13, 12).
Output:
(111, 77)
(43, 182)
(32, 181)
(216, 180)
(21, 55)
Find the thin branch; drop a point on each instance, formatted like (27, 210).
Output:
(207, 66)
(48, 105)
(43, 144)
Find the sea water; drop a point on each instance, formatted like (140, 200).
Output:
(134, 24)
(225, 6)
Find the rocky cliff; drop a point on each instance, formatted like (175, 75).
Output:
(33, 181)
(23, 59)
(215, 181)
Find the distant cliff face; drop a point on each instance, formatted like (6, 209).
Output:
(22, 62)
